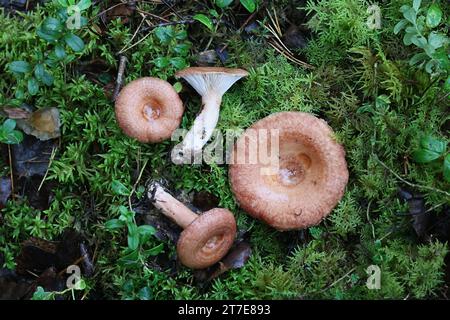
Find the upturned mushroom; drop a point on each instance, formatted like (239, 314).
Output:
(206, 238)
(211, 83)
(149, 110)
(304, 185)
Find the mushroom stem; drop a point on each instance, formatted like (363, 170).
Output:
(211, 83)
(203, 126)
(170, 206)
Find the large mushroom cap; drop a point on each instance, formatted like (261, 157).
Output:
(207, 79)
(149, 109)
(206, 240)
(306, 183)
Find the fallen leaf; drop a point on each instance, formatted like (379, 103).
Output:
(44, 124)
(38, 255)
(15, 113)
(235, 259)
(31, 156)
(207, 58)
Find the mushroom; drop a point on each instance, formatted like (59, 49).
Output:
(206, 238)
(211, 83)
(305, 183)
(149, 109)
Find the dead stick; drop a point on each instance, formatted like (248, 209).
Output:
(119, 80)
(11, 171)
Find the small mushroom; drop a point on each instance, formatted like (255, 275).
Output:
(211, 83)
(149, 109)
(304, 185)
(206, 238)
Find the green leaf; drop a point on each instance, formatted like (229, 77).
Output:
(84, 4)
(40, 294)
(178, 62)
(47, 78)
(130, 258)
(14, 137)
(19, 67)
(213, 13)
(204, 20)
(114, 224)
(418, 57)
(133, 237)
(407, 38)
(416, 5)
(80, 285)
(39, 71)
(155, 250)
(19, 94)
(436, 40)
(178, 87)
(430, 65)
(165, 34)
(382, 101)
(145, 293)
(60, 53)
(400, 26)
(447, 167)
(52, 25)
(9, 125)
(250, 5)
(161, 62)
(441, 57)
(63, 3)
(182, 49)
(430, 149)
(74, 42)
(447, 84)
(419, 41)
(146, 230)
(429, 50)
(223, 3)
(411, 15)
(181, 35)
(47, 35)
(33, 86)
(119, 189)
(434, 15)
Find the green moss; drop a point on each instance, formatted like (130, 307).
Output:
(354, 66)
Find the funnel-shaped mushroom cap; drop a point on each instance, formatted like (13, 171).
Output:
(305, 179)
(149, 109)
(206, 240)
(211, 79)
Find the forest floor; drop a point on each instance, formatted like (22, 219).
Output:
(379, 75)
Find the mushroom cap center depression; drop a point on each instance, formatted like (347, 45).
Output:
(151, 109)
(298, 164)
(213, 242)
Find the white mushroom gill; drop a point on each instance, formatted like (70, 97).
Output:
(211, 85)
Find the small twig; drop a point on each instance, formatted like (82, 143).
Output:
(134, 34)
(120, 72)
(435, 207)
(11, 171)
(133, 190)
(52, 156)
(171, 8)
(368, 218)
(165, 24)
(414, 185)
(151, 15)
(338, 280)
